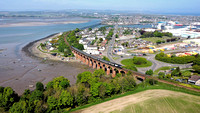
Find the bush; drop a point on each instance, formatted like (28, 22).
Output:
(139, 60)
(39, 86)
(149, 72)
(161, 75)
(151, 81)
(196, 68)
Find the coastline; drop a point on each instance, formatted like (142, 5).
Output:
(27, 49)
(32, 50)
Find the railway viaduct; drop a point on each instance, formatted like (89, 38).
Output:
(98, 63)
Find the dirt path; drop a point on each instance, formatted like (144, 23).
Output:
(120, 103)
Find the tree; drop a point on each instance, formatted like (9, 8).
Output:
(36, 95)
(26, 95)
(39, 86)
(168, 76)
(149, 72)
(77, 30)
(19, 107)
(8, 97)
(99, 73)
(158, 42)
(90, 29)
(125, 44)
(196, 68)
(117, 87)
(161, 75)
(1, 89)
(157, 34)
(85, 77)
(100, 40)
(151, 81)
(139, 60)
(52, 103)
(102, 91)
(79, 46)
(94, 89)
(116, 36)
(196, 61)
(49, 85)
(60, 83)
(65, 100)
(64, 84)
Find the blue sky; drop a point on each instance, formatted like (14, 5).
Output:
(177, 6)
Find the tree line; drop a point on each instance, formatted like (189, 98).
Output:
(174, 59)
(59, 96)
(145, 34)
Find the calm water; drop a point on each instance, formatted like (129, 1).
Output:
(30, 33)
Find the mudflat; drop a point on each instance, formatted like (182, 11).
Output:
(21, 70)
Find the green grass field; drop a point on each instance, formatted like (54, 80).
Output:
(129, 62)
(182, 104)
(139, 89)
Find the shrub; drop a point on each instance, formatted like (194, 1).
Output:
(161, 75)
(196, 68)
(139, 60)
(149, 72)
(39, 86)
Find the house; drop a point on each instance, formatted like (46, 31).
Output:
(197, 82)
(92, 52)
(193, 79)
(102, 48)
(90, 38)
(83, 41)
(91, 47)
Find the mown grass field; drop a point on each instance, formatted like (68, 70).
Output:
(171, 104)
(129, 62)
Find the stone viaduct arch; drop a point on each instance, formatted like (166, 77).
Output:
(96, 63)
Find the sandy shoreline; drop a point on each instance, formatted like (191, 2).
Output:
(23, 24)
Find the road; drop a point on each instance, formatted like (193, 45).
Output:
(155, 63)
(151, 57)
(111, 44)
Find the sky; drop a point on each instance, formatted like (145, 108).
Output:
(165, 6)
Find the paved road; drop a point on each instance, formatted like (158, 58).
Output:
(155, 63)
(111, 44)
